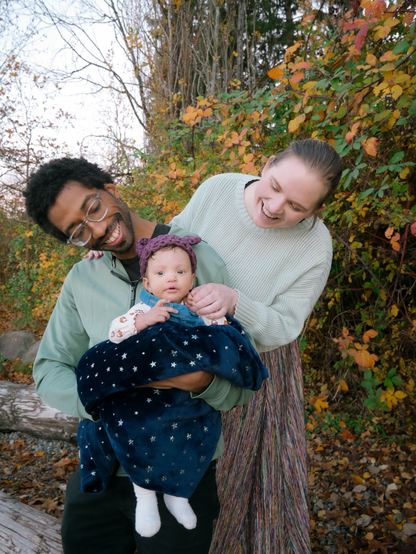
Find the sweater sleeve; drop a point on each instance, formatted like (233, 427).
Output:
(63, 344)
(123, 327)
(281, 322)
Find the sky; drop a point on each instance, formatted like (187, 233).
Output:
(90, 112)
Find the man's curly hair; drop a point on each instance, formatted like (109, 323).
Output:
(45, 185)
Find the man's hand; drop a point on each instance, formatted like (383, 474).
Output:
(195, 382)
(212, 300)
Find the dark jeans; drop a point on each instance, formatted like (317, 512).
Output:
(104, 523)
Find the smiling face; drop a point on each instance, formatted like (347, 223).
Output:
(114, 233)
(286, 193)
(169, 274)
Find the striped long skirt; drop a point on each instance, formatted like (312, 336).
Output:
(262, 475)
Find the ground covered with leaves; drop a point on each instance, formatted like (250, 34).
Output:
(362, 482)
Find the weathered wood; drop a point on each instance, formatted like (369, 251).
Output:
(25, 530)
(21, 409)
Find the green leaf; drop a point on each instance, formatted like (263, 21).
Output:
(398, 156)
(341, 112)
(402, 46)
(412, 109)
(382, 115)
(366, 193)
(401, 121)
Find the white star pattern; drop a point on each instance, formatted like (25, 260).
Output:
(174, 425)
(152, 439)
(131, 441)
(188, 436)
(152, 364)
(134, 369)
(194, 337)
(199, 356)
(148, 400)
(185, 343)
(172, 438)
(192, 363)
(124, 356)
(174, 352)
(173, 364)
(149, 469)
(120, 422)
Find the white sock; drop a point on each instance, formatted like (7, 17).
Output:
(147, 514)
(181, 510)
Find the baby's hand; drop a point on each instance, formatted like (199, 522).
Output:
(92, 254)
(159, 313)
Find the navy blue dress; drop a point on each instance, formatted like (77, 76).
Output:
(163, 438)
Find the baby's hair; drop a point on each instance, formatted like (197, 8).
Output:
(320, 158)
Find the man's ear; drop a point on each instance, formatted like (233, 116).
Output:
(111, 188)
(268, 164)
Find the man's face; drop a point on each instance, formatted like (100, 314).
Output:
(114, 233)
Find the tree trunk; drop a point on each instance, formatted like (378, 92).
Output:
(21, 409)
(25, 529)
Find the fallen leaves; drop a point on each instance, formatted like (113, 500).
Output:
(362, 494)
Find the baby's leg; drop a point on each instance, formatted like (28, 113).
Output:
(181, 510)
(147, 513)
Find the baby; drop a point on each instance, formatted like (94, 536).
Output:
(182, 344)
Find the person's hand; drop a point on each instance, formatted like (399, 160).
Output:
(195, 382)
(93, 254)
(159, 313)
(212, 300)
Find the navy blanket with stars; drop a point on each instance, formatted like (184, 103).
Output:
(163, 438)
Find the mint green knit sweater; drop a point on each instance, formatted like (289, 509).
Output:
(279, 273)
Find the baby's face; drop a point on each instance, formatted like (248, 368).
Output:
(169, 275)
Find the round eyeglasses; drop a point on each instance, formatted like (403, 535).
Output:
(96, 212)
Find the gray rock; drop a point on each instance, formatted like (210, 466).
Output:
(13, 345)
(409, 529)
(30, 355)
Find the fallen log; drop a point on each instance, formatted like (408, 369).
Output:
(25, 529)
(21, 409)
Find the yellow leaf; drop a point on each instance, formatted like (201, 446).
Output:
(309, 427)
(323, 388)
(394, 310)
(235, 54)
(294, 124)
(29, 234)
(275, 73)
(320, 404)
(357, 479)
(367, 475)
(400, 395)
(371, 60)
(343, 385)
(309, 85)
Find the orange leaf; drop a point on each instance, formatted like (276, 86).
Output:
(364, 359)
(378, 7)
(395, 245)
(370, 334)
(354, 24)
(389, 232)
(370, 146)
(297, 77)
(408, 18)
(413, 229)
(347, 435)
(300, 65)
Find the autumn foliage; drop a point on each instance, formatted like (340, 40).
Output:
(351, 83)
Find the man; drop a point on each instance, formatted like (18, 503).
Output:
(78, 203)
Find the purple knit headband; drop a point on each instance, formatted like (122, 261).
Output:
(146, 247)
